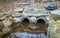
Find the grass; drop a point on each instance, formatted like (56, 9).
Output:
(56, 33)
(55, 16)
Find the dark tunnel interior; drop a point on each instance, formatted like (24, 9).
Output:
(41, 21)
(25, 22)
(42, 24)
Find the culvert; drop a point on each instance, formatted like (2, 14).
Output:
(42, 25)
(41, 21)
(25, 21)
(29, 35)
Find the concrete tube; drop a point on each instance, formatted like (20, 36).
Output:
(40, 21)
(25, 21)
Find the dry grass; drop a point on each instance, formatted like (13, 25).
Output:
(55, 17)
(56, 33)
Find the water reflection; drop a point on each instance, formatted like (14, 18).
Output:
(27, 35)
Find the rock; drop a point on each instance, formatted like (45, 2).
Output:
(7, 22)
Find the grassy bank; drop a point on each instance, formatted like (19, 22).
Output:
(55, 16)
(56, 33)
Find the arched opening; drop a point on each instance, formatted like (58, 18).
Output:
(41, 21)
(25, 22)
(42, 25)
